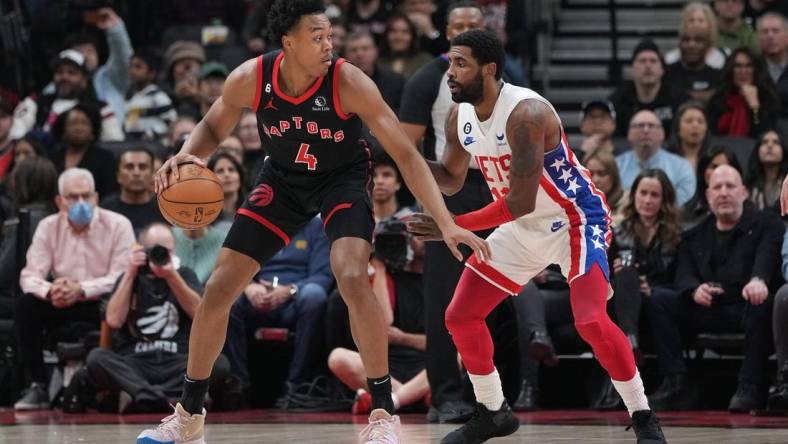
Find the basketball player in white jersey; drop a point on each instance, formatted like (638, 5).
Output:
(547, 211)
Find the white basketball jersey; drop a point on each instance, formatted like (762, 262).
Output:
(564, 181)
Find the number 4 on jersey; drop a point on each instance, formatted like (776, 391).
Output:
(304, 157)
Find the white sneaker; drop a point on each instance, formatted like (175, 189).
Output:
(178, 428)
(382, 429)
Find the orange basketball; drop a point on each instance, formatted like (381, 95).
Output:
(194, 200)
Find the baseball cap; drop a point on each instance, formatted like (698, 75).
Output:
(214, 69)
(605, 105)
(647, 45)
(71, 56)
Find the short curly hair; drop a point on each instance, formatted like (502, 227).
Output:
(485, 48)
(285, 14)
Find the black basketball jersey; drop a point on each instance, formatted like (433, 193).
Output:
(309, 133)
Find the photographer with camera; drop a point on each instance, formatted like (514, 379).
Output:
(396, 271)
(151, 310)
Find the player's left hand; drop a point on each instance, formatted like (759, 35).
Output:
(454, 236)
(424, 227)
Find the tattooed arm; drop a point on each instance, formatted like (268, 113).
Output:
(530, 128)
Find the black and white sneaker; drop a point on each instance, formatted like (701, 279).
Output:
(483, 425)
(34, 398)
(647, 429)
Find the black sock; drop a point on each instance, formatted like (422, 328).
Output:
(193, 396)
(380, 389)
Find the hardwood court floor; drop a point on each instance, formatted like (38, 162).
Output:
(412, 434)
(278, 427)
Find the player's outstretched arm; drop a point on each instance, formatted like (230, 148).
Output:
(217, 124)
(359, 95)
(450, 171)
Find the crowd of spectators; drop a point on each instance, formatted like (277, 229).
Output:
(690, 153)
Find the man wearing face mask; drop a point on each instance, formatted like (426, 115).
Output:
(75, 257)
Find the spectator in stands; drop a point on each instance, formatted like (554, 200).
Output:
(734, 31)
(646, 138)
(149, 110)
(694, 211)
(697, 14)
(290, 291)
(690, 135)
(745, 103)
(76, 130)
(604, 174)
(136, 201)
(183, 62)
(231, 174)
(198, 248)
(253, 152)
(361, 51)
(6, 145)
(429, 20)
(369, 16)
(400, 51)
(647, 241)
(151, 309)
(773, 41)
(691, 73)
(778, 395)
(727, 269)
(597, 124)
(340, 31)
(255, 28)
(233, 146)
(75, 257)
(386, 182)
(646, 90)
(397, 281)
(212, 75)
(72, 86)
(767, 168)
(426, 102)
(180, 129)
(33, 187)
(110, 80)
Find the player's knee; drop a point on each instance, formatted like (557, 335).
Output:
(338, 360)
(351, 279)
(220, 292)
(590, 330)
(457, 319)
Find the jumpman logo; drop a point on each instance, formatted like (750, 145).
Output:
(270, 105)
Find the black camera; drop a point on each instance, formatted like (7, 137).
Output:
(390, 243)
(158, 255)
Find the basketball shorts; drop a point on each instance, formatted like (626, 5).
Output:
(523, 248)
(283, 202)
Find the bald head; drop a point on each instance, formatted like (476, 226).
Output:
(157, 234)
(726, 194)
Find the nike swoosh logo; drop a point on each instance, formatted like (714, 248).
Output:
(383, 381)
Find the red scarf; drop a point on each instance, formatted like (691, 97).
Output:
(736, 121)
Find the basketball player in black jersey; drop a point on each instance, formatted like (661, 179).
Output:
(309, 108)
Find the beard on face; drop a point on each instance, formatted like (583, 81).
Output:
(471, 93)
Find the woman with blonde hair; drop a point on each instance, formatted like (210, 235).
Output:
(694, 15)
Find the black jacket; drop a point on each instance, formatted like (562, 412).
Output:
(754, 252)
(625, 101)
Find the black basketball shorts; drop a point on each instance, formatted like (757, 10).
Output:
(283, 202)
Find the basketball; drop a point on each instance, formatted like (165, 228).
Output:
(194, 200)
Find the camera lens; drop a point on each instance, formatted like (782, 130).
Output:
(159, 255)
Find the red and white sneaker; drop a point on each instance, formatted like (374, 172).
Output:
(382, 429)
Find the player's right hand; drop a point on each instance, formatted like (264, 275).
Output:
(160, 179)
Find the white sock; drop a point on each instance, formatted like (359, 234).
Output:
(488, 390)
(632, 393)
(395, 399)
